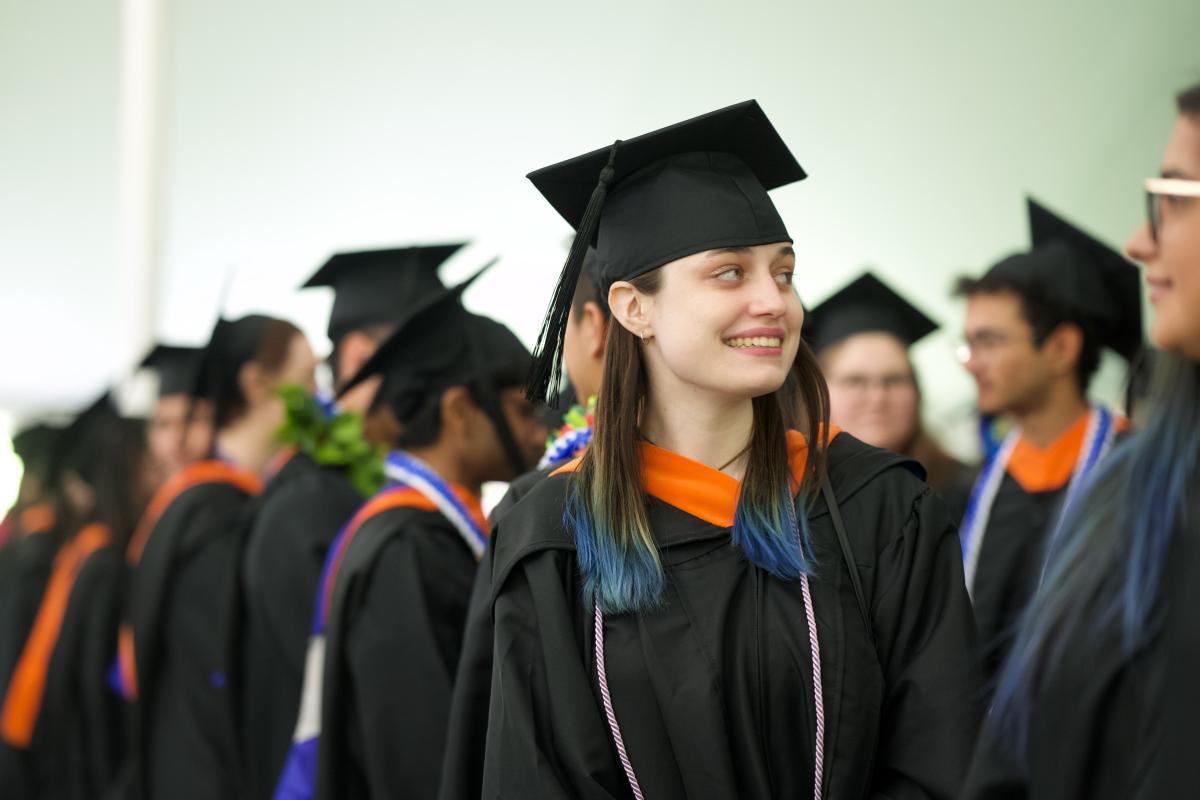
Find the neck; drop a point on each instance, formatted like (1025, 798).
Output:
(1043, 425)
(700, 427)
(449, 467)
(247, 446)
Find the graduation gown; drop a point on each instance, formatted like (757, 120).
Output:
(714, 691)
(1023, 517)
(182, 611)
(25, 564)
(1096, 730)
(397, 609)
(301, 510)
(74, 728)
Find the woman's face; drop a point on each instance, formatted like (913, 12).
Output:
(872, 394)
(1173, 262)
(724, 321)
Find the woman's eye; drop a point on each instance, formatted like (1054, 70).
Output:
(784, 278)
(731, 274)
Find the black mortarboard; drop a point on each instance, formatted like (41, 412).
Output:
(867, 304)
(690, 187)
(374, 286)
(35, 445)
(440, 345)
(1080, 275)
(175, 366)
(82, 444)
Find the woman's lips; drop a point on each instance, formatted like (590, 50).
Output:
(1158, 287)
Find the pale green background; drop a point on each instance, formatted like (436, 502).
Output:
(297, 128)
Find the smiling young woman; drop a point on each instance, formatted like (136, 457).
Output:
(685, 611)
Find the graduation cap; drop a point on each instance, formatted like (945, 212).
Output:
(440, 345)
(867, 304)
(35, 445)
(694, 186)
(175, 366)
(81, 445)
(374, 286)
(1081, 275)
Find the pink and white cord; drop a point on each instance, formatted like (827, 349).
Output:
(606, 696)
(818, 696)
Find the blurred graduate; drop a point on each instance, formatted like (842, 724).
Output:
(313, 486)
(389, 615)
(861, 335)
(1099, 698)
(1035, 325)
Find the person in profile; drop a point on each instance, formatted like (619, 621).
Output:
(1099, 696)
(390, 612)
(1035, 325)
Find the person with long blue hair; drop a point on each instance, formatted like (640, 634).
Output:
(1080, 704)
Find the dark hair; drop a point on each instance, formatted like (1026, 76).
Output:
(606, 508)
(1044, 316)
(1188, 101)
(586, 290)
(1104, 571)
(110, 460)
(420, 413)
(255, 338)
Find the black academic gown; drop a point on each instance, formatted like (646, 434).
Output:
(393, 640)
(469, 706)
(714, 691)
(1095, 731)
(25, 566)
(1010, 565)
(79, 739)
(301, 510)
(182, 606)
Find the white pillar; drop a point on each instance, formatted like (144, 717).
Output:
(140, 173)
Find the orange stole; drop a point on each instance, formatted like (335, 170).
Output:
(192, 475)
(23, 703)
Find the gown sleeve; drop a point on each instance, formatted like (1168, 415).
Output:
(402, 648)
(926, 639)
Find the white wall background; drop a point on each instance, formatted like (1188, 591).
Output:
(294, 129)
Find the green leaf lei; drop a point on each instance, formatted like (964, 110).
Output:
(336, 441)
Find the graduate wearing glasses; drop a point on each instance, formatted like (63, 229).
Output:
(1099, 697)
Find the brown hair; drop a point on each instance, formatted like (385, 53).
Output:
(609, 478)
(263, 340)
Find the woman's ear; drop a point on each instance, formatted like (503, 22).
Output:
(630, 308)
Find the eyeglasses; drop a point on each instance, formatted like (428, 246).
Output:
(861, 384)
(1177, 190)
(985, 343)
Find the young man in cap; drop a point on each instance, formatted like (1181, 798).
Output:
(1035, 326)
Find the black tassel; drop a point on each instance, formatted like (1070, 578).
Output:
(545, 374)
